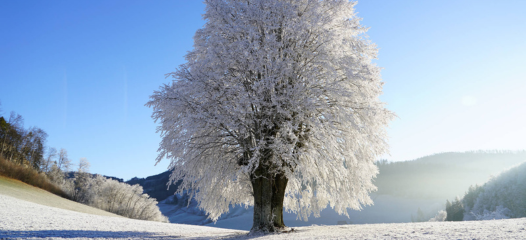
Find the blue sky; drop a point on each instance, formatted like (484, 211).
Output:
(83, 70)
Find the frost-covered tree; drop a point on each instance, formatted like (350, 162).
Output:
(454, 210)
(82, 181)
(55, 174)
(277, 106)
(58, 169)
(48, 161)
(64, 163)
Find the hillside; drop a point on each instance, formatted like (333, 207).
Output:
(502, 197)
(444, 175)
(403, 188)
(19, 190)
(24, 219)
(155, 185)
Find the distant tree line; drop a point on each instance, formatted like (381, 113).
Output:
(20, 145)
(27, 147)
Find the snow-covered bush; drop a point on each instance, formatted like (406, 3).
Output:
(499, 213)
(123, 199)
(109, 195)
(440, 217)
(57, 176)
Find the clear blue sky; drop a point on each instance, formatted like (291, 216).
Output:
(83, 70)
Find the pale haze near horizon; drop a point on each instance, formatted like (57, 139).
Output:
(82, 71)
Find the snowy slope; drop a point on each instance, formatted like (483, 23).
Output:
(22, 219)
(23, 191)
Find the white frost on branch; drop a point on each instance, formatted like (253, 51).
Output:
(291, 77)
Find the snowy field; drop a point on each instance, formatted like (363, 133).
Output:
(23, 219)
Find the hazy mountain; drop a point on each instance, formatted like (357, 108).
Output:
(444, 175)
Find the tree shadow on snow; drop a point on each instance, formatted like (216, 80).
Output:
(81, 234)
(239, 236)
(126, 235)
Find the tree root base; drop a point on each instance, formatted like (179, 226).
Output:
(275, 230)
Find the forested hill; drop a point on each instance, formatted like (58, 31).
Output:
(72, 175)
(155, 185)
(501, 197)
(443, 175)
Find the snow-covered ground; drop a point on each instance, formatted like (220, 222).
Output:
(22, 219)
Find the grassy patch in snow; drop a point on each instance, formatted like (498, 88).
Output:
(17, 189)
(28, 175)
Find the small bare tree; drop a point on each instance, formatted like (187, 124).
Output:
(63, 163)
(49, 160)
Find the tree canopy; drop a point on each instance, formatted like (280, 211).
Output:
(275, 89)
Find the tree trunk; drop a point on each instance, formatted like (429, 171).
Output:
(278, 195)
(262, 187)
(269, 192)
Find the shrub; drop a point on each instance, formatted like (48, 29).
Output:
(116, 197)
(440, 217)
(30, 176)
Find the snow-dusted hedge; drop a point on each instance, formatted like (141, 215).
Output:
(123, 199)
(111, 195)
